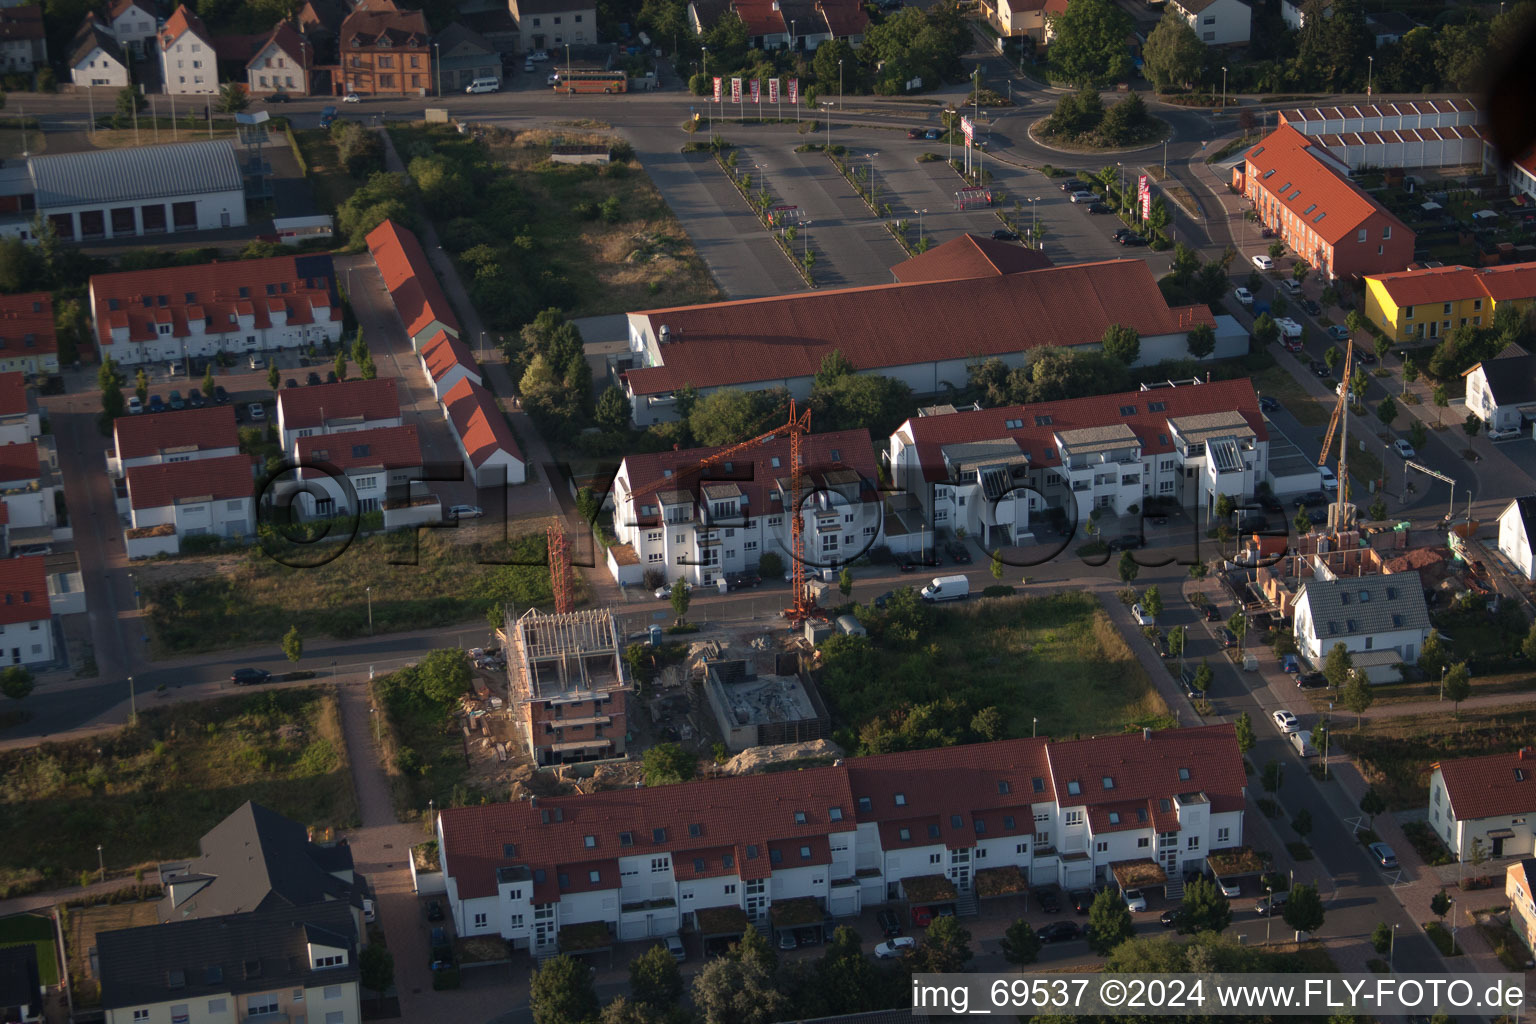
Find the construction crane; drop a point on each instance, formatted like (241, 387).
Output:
(802, 603)
(1341, 514)
(559, 569)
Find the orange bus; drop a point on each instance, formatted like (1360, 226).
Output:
(582, 80)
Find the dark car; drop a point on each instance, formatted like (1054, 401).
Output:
(1133, 241)
(883, 599)
(1082, 900)
(741, 581)
(1338, 332)
(1227, 637)
(1121, 233)
(1270, 503)
(327, 115)
(195, 399)
(290, 383)
(1049, 904)
(175, 401)
(1127, 542)
(1320, 368)
(1099, 208)
(1365, 357)
(249, 676)
(1312, 499)
(1169, 918)
(1252, 523)
(1075, 185)
(1312, 681)
(914, 133)
(278, 97)
(239, 414)
(156, 404)
(314, 378)
(220, 396)
(439, 937)
(1004, 235)
(1269, 403)
(890, 924)
(929, 560)
(1058, 931)
(1312, 308)
(957, 553)
(1212, 613)
(434, 910)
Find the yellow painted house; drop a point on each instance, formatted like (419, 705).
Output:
(1435, 301)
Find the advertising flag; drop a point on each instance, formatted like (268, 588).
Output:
(1146, 205)
(735, 90)
(794, 90)
(773, 90)
(717, 90)
(969, 129)
(757, 91)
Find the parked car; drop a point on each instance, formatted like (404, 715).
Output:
(1135, 901)
(1132, 241)
(1243, 296)
(249, 676)
(1264, 263)
(892, 949)
(957, 553)
(787, 940)
(351, 97)
(434, 910)
(1320, 369)
(1329, 480)
(1099, 208)
(1311, 680)
(156, 404)
(1074, 185)
(914, 133)
(1403, 449)
(370, 914)
(933, 133)
(662, 593)
(1226, 636)
(1083, 196)
(1212, 613)
(1338, 332)
(465, 512)
(742, 581)
(439, 938)
(1292, 286)
(1504, 434)
(175, 401)
(1288, 328)
(1058, 931)
(327, 116)
(1269, 403)
(1274, 903)
(1383, 855)
(330, 377)
(1049, 904)
(291, 382)
(1365, 358)
(135, 407)
(889, 923)
(1004, 235)
(220, 396)
(1284, 721)
(1121, 233)
(314, 378)
(258, 412)
(1082, 900)
(675, 947)
(883, 599)
(1312, 499)
(1230, 887)
(1312, 308)
(1269, 503)
(1127, 542)
(195, 399)
(1170, 917)
(239, 414)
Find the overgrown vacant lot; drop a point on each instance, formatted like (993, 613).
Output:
(147, 792)
(198, 604)
(1397, 755)
(530, 233)
(985, 669)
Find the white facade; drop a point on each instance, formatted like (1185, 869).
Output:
(1480, 399)
(234, 517)
(100, 69)
(30, 504)
(1511, 833)
(27, 643)
(245, 338)
(1315, 640)
(21, 428)
(274, 70)
(1515, 541)
(134, 29)
(1220, 22)
(188, 67)
(325, 496)
(332, 1004)
(289, 434)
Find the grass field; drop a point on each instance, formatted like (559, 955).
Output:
(429, 739)
(198, 604)
(1397, 754)
(148, 792)
(81, 924)
(35, 931)
(329, 179)
(1277, 382)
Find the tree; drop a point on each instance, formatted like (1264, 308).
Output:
(946, 949)
(997, 565)
(1386, 410)
(1128, 567)
(1201, 340)
(1238, 624)
(1381, 938)
(1021, 946)
(770, 566)
(1458, 685)
(754, 948)
(561, 992)
(612, 412)
(141, 385)
(274, 376)
(1418, 436)
(232, 98)
(1440, 904)
(1203, 677)
(1302, 823)
(293, 644)
(1174, 55)
(1527, 646)
(1472, 424)
(1124, 122)
(731, 991)
(1245, 736)
(680, 598)
(1432, 656)
(1284, 643)
(16, 682)
(1204, 909)
(1271, 776)
(1152, 601)
(1225, 506)
(1176, 643)
(589, 504)
(623, 1010)
(1121, 342)
(1302, 522)
(1410, 370)
(341, 365)
(1337, 665)
(845, 581)
(1304, 910)
(1372, 804)
(1265, 330)
(1110, 920)
(731, 414)
(1378, 509)
(1357, 695)
(666, 763)
(654, 978)
(130, 100)
(1332, 357)
(1441, 398)
(1089, 48)
(376, 969)
(443, 675)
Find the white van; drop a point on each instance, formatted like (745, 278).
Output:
(946, 588)
(483, 85)
(1302, 741)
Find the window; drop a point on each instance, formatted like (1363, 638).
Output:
(865, 804)
(901, 799)
(329, 961)
(264, 1003)
(1074, 787)
(695, 829)
(980, 826)
(480, 920)
(1194, 842)
(1114, 817)
(658, 836)
(1101, 847)
(1021, 848)
(1223, 834)
(698, 864)
(594, 877)
(1042, 838)
(589, 841)
(1183, 774)
(335, 1017)
(1141, 844)
(1037, 784)
(1408, 314)
(934, 858)
(775, 856)
(218, 1006)
(1072, 818)
(1210, 19)
(905, 834)
(626, 839)
(1360, 237)
(933, 832)
(799, 817)
(1386, 232)
(805, 853)
(1109, 782)
(661, 864)
(1210, 37)
(141, 1015)
(834, 814)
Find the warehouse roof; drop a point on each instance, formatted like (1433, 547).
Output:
(126, 175)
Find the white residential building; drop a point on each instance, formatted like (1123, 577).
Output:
(188, 64)
(718, 854)
(26, 618)
(26, 488)
(1502, 392)
(133, 26)
(1517, 535)
(1484, 805)
(204, 496)
(357, 471)
(1381, 620)
(480, 430)
(95, 59)
(173, 436)
(337, 408)
(1217, 22)
(19, 419)
(681, 520)
(446, 360)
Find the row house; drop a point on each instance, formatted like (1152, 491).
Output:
(702, 522)
(1455, 111)
(990, 471)
(28, 343)
(188, 62)
(1429, 302)
(355, 473)
(481, 433)
(412, 284)
(786, 24)
(172, 500)
(95, 60)
(280, 64)
(446, 360)
(1305, 196)
(133, 24)
(20, 422)
(182, 435)
(23, 42)
(335, 408)
(385, 52)
(237, 308)
(26, 616)
(844, 837)
(1485, 806)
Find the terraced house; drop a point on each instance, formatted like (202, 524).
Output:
(385, 52)
(1432, 301)
(781, 850)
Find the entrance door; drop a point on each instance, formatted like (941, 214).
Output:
(1498, 847)
(960, 869)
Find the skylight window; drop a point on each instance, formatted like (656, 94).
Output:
(1127, 410)
(1309, 209)
(1114, 817)
(1157, 406)
(1074, 787)
(1042, 421)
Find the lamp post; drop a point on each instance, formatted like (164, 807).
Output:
(370, 610)
(1032, 201)
(1034, 727)
(1370, 64)
(827, 106)
(792, 40)
(1223, 89)
(1442, 683)
(1121, 165)
(437, 48)
(1269, 914)
(872, 177)
(1392, 948)
(101, 865)
(133, 705)
(704, 65)
(839, 83)
(919, 225)
(1165, 158)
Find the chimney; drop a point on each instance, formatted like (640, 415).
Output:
(1522, 751)
(665, 334)
(1146, 732)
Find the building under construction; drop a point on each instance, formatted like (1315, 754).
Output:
(566, 679)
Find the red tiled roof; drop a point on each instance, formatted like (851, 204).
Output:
(226, 478)
(479, 422)
(287, 39)
(444, 352)
(179, 23)
(23, 590)
(754, 471)
(970, 256)
(13, 393)
(379, 448)
(190, 429)
(21, 23)
(402, 28)
(214, 293)
(762, 17)
(1144, 769)
(318, 404)
(843, 18)
(120, 7)
(412, 284)
(786, 336)
(1511, 281)
(5, 514)
(1451, 284)
(26, 324)
(19, 461)
(1491, 786)
(1325, 200)
(1037, 439)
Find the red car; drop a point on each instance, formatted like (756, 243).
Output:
(922, 917)
(914, 133)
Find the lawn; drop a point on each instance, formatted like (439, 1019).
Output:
(81, 926)
(530, 233)
(423, 748)
(32, 930)
(1277, 382)
(330, 180)
(14, 142)
(1396, 755)
(986, 669)
(220, 601)
(148, 792)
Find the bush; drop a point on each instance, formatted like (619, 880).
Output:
(770, 566)
(999, 590)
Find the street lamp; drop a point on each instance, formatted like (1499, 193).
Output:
(133, 706)
(1269, 914)
(1223, 90)
(839, 83)
(1370, 64)
(919, 225)
(872, 177)
(1392, 948)
(1442, 682)
(370, 610)
(1034, 725)
(101, 864)
(1165, 158)
(437, 47)
(1032, 201)
(827, 106)
(704, 70)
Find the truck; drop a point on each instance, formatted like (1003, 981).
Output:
(1302, 741)
(946, 588)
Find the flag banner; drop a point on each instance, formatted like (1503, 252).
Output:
(757, 91)
(717, 90)
(969, 129)
(794, 90)
(1141, 185)
(773, 90)
(735, 90)
(1146, 205)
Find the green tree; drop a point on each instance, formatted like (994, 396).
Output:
(996, 566)
(1527, 646)
(1120, 342)
(1301, 824)
(1203, 677)
(1021, 946)
(444, 675)
(341, 365)
(1174, 55)
(1441, 398)
(1378, 509)
(946, 948)
(1432, 656)
(232, 98)
(1337, 665)
(1128, 567)
(1201, 341)
(1089, 47)
(293, 644)
(129, 100)
(1110, 920)
(1410, 370)
(1332, 357)
(1266, 331)
(667, 763)
(274, 376)
(1357, 695)
(680, 598)
(1381, 938)
(141, 385)
(1176, 643)
(376, 970)
(1458, 685)
(1271, 776)
(561, 992)
(1383, 345)
(1245, 737)
(730, 415)
(1238, 624)
(1440, 904)
(1152, 601)
(1386, 410)
(1225, 506)
(623, 1010)
(654, 978)
(1204, 908)
(16, 682)
(845, 581)
(1472, 425)
(1304, 910)
(1302, 522)
(1372, 804)
(731, 991)
(612, 412)
(1125, 122)
(770, 565)
(754, 948)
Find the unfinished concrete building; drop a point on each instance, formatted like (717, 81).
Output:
(763, 704)
(566, 678)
